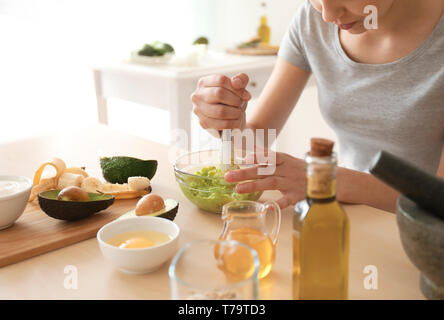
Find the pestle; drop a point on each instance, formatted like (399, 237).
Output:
(226, 151)
(419, 186)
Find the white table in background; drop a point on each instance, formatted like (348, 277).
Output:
(169, 86)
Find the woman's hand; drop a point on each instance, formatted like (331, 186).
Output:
(288, 177)
(220, 102)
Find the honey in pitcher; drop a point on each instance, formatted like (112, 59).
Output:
(256, 239)
(236, 262)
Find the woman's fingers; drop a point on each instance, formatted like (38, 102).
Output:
(261, 156)
(283, 202)
(214, 81)
(241, 175)
(220, 95)
(282, 168)
(240, 81)
(288, 200)
(288, 178)
(244, 174)
(217, 124)
(220, 104)
(218, 111)
(220, 81)
(268, 183)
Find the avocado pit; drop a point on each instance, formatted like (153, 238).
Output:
(149, 204)
(155, 206)
(73, 194)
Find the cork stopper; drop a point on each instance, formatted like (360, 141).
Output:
(321, 147)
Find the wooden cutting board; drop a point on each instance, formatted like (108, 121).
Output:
(254, 51)
(35, 233)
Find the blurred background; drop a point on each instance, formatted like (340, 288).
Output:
(47, 49)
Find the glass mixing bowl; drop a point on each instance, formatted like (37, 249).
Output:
(209, 190)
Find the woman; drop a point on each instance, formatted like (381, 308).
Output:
(378, 89)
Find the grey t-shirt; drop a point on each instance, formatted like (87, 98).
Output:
(397, 106)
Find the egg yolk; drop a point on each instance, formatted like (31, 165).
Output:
(133, 243)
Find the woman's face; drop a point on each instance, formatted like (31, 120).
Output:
(349, 15)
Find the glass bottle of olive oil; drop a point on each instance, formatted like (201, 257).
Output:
(320, 231)
(264, 31)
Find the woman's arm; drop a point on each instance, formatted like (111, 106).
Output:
(363, 188)
(353, 187)
(282, 92)
(357, 187)
(280, 95)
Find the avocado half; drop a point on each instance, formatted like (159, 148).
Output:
(169, 212)
(73, 210)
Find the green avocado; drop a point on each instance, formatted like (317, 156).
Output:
(162, 48)
(119, 169)
(156, 49)
(73, 210)
(168, 48)
(201, 40)
(147, 50)
(169, 212)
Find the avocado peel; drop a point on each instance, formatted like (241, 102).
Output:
(201, 40)
(73, 210)
(169, 212)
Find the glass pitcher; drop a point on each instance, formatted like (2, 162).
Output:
(245, 221)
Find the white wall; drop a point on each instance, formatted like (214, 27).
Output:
(304, 123)
(233, 21)
(48, 46)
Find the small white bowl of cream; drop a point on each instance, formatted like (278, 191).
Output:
(14, 195)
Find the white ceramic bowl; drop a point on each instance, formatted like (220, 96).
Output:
(140, 260)
(13, 203)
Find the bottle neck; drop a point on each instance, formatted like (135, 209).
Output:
(321, 178)
(264, 20)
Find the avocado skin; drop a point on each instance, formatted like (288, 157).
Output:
(72, 210)
(156, 49)
(147, 51)
(119, 169)
(170, 215)
(167, 48)
(201, 40)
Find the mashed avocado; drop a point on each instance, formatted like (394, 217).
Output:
(212, 191)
